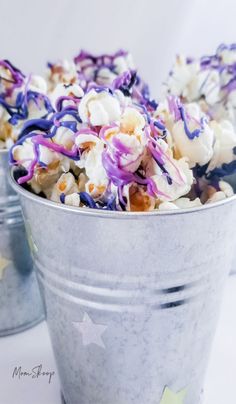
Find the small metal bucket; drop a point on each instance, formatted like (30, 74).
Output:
(20, 302)
(231, 179)
(132, 299)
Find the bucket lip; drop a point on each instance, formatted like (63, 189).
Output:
(108, 213)
(4, 152)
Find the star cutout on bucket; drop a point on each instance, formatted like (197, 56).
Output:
(3, 264)
(169, 397)
(91, 332)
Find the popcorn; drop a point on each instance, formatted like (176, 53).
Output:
(91, 161)
(126, 142)
(193, 137)
(24, 153)
(103, 69)
(72, 199)
(184, 203)
(62, 72)
(64, 92)
(181, 203)
(138, 199)
(216, 192)
(37, 83)
(99, 108)
(176, 183)
(205, 142)
(109, 72)
(224, 145)
(107, 146)
(65, 186)
(167, 206)
(209, 81)
(191, 82)
(226, 188)
(21, 98)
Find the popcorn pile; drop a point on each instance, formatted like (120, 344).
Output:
(107, 146)
(87, 68)
(88, 71)
(209, 80)
(21, 98)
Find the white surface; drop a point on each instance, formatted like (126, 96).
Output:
(32, 348)
(99, 26)
(33, 32)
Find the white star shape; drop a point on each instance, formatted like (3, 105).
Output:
(3, 264)
(91, 332)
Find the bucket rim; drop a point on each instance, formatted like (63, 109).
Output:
(108, 213)
(4, 151)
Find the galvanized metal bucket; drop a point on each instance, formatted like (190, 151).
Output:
(20, 302)
(233, 270)
(132, 299)
(232, 180)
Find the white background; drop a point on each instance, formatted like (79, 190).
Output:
(33, 32)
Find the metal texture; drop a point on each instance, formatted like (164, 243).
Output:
(132, 299)
(20, 302)
(232, 181)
